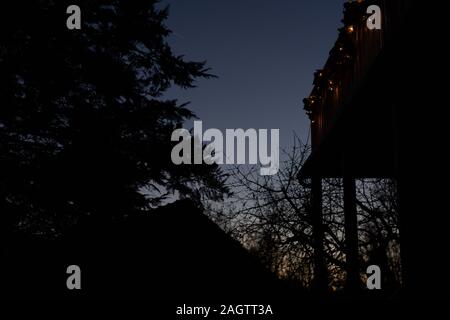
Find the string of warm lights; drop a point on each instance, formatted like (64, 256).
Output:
(341, 56)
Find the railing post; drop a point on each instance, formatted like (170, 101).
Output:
(353, 281)
(320, 281)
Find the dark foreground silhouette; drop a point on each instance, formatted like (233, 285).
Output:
(172, 252)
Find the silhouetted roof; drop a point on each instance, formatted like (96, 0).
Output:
(173, 251)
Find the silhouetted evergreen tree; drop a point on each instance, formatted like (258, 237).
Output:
(84, 128)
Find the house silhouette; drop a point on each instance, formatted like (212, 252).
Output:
(173, 252)
(368, 120)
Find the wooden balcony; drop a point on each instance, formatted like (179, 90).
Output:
(351, 57)
(350, 96)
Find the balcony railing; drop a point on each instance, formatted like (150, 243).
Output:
(354, 52)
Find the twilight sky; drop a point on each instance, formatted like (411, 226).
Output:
(263, 51)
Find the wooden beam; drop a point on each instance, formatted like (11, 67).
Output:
(353, 281)
(320, 281)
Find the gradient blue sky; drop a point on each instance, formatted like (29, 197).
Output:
(264, 53)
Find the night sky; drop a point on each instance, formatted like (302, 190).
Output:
(264, 54)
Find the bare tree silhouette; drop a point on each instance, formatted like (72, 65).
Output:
(272, 215)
